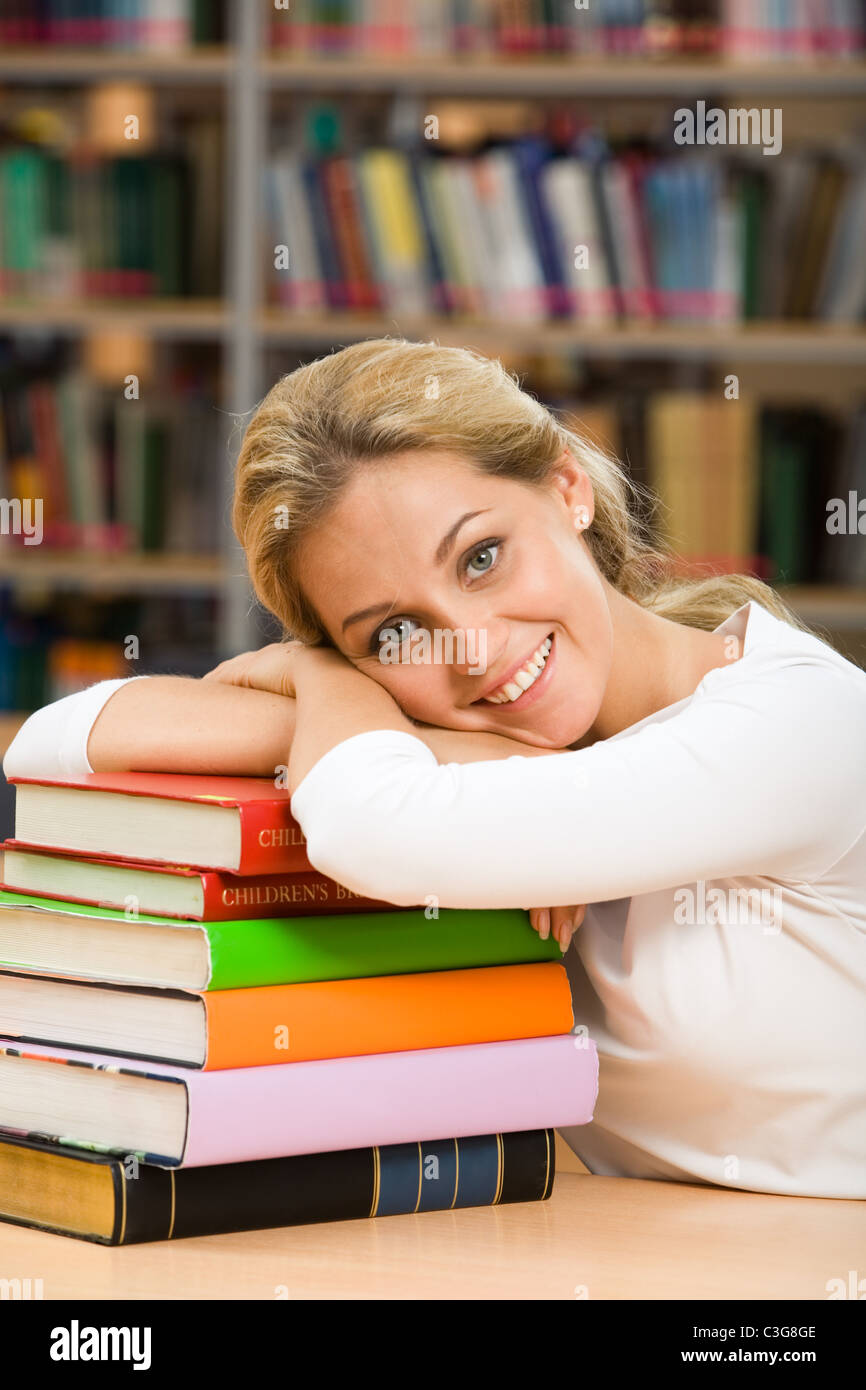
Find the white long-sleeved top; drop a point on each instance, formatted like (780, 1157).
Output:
(720, 844)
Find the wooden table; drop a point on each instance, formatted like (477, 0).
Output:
(597, 1238)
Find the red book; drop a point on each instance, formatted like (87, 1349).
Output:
(241, 824)
(175, 890)
(346, 216)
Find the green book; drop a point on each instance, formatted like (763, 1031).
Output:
(784, 499)
(154, 463)
(752, 196)
(24, 208)
(169, 206)
(63, 938)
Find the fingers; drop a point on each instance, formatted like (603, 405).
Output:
(540, 919)
(560, 922)
(568, 930)
(227, 670)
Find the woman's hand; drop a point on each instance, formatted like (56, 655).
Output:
(272, 668)
(563, 922)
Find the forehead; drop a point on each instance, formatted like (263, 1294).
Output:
(386, 502)
(414, 483)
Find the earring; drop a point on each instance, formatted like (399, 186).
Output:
(581, 518)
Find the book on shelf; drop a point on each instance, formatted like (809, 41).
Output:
(751, 489)
(39, 935)
(145, 26)
(746, 29)
(38, 664)
(80, 224)
(111, 474)
(114, 1200)
(845, 523)
(176, 1116)
(529, 231)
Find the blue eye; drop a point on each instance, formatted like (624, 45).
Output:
(485, 554)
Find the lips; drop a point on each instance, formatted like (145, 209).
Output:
(521, 678)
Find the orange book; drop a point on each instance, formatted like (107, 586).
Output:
(258, 1027)
(387, 1013)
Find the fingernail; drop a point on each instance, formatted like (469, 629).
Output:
(566, 932)
(544, 925)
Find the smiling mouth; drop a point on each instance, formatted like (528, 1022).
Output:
(523, 679)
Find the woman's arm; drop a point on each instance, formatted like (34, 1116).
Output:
(750, 778)
(172, 723)
(177, 724)
(348, 701)
(155, 724)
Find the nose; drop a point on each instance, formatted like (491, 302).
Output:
(469, 640)
(477, 646)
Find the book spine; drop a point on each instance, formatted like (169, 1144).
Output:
(349, 1184)
(388, 1180)
(353, 1102)
(272, 842)
(345, 1103)
(282, 951)
(228, 897)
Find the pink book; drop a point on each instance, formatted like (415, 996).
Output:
(204, 1118)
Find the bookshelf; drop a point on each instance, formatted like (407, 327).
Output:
(501, 76)
(246, 80)
(202, 319)
(771, 342)
(564, 76)
(94, 573)
(211, 320)
(210, 65)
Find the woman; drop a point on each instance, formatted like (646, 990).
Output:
(682, 756)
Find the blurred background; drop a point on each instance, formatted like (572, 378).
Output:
(196, 196)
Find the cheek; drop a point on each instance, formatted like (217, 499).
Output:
(422, 691)
(542, 580)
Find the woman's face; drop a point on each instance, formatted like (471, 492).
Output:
(441, 583)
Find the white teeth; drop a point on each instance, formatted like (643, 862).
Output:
(524, 678)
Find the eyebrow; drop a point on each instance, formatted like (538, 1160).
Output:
(442, 552)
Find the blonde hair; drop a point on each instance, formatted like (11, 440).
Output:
(323, 422)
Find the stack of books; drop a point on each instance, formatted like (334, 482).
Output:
(202, 1034)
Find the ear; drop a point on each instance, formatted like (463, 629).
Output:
(570, 484)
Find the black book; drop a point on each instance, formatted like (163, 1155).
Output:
(118, 1200)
